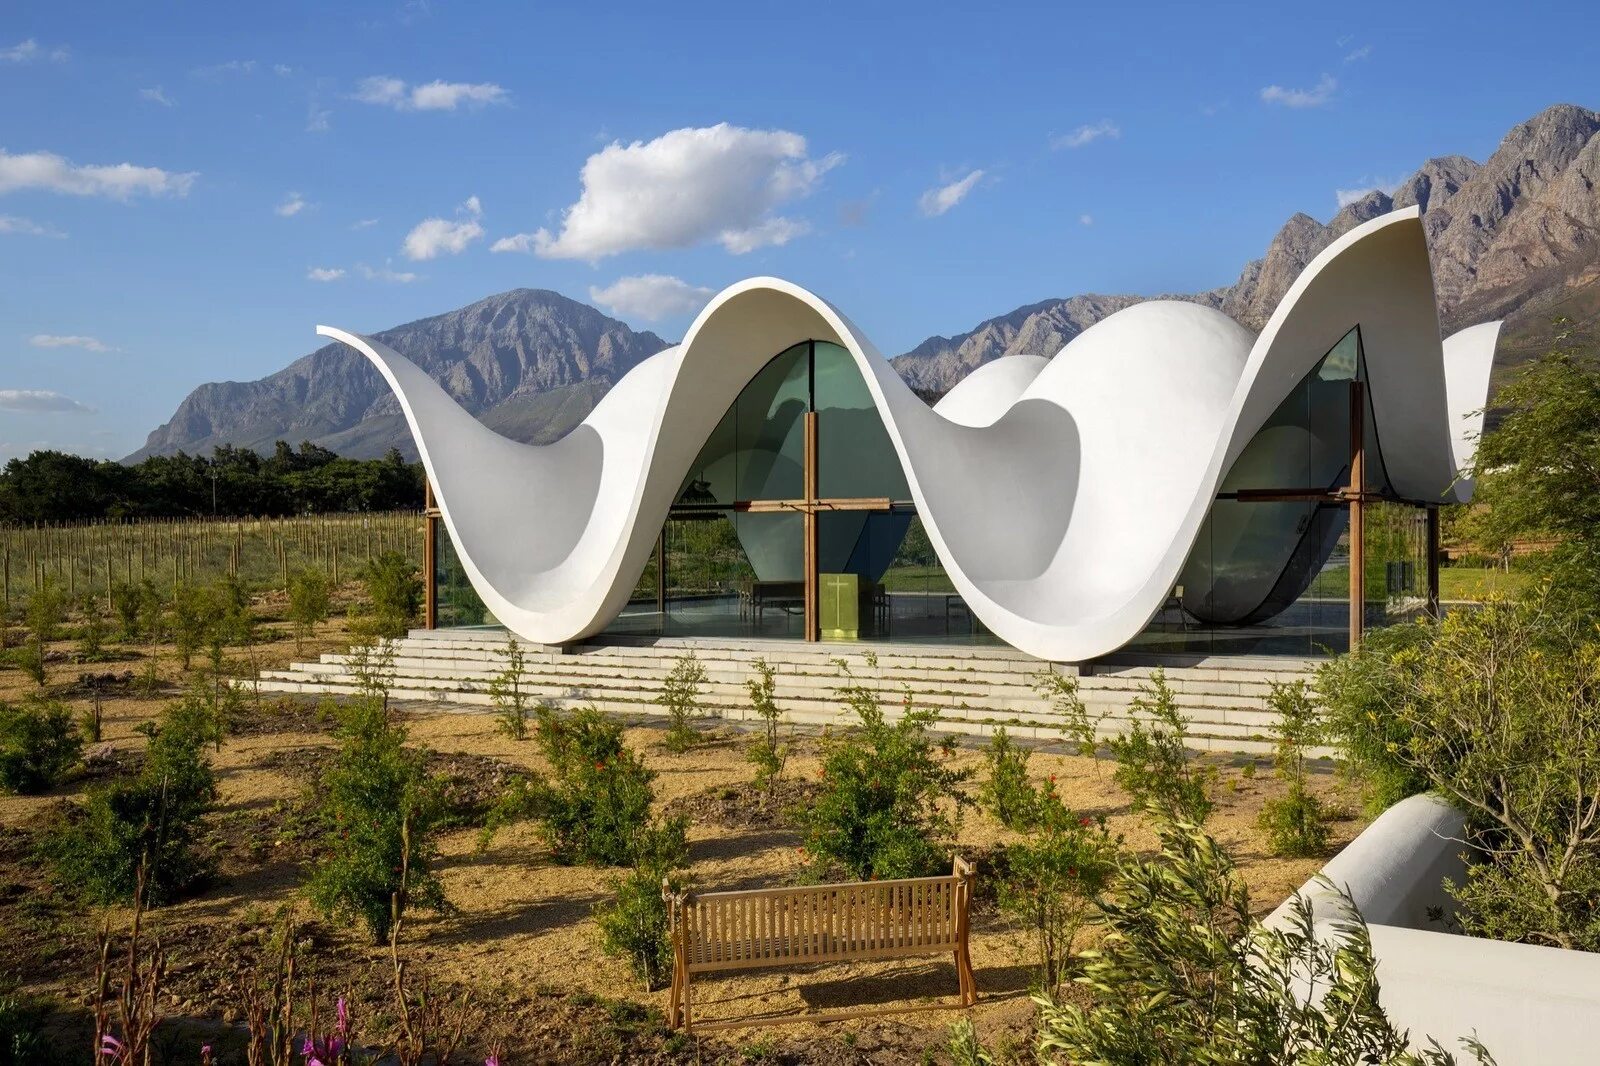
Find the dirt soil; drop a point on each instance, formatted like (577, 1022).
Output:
(519, 932)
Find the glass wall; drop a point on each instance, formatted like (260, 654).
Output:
(456, 602)
(1269, 572)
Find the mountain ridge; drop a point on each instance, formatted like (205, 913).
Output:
(1516, 237)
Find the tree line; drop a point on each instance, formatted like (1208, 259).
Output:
(52, 486)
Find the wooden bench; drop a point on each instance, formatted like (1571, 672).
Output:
(713, 932)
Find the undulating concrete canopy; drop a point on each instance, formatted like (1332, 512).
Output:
(1062, 495)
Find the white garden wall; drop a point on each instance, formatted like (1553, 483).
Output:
(1531, 1006)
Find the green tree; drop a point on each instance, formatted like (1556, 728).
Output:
(508, 691)
(1538, 472)
(1500, 712)
(1356, 691)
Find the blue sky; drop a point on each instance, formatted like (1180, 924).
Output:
(175, 179)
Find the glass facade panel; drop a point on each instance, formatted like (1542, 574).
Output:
(1396, 577)
(855, 457)
(456, 602)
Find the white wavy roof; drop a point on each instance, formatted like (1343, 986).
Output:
(1061, 495)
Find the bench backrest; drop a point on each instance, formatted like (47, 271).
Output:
(821, 923)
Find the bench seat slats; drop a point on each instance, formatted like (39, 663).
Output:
(860, 921)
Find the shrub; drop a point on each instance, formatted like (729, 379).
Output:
(38, 745)
(1152, 761)
(765, 752)
(1076, 724)
(1052, 881)
(635, 923)
(596, 812)
(379, 812)
(1185, 975)
(193, 613)
(46, 610)
(507, 691)
(125, 604)
(394, 594)
(1006, 792)
(149, 820)
(1357, 691)
(1295, 823)
(885, 791)
(1499, 710)
(93, 630)
(680, 695)
(309, 603)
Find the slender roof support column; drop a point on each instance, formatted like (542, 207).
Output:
(1356, 491)
(430, 557)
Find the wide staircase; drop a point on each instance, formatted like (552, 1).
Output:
(975, 689)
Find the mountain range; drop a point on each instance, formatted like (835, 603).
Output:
(1517, 236)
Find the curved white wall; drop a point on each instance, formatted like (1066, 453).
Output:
(1062, 496)
(1530, 1005)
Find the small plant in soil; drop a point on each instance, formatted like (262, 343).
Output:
(889, 798)
(393, 592)
(508, 691)
(1006, 792)
(1295, 823)
(634, 924)
(1051, 883)
(680, 696)
(768, 756)
(93, 629)
(596, 810)
(379, 812)
(309, 604)
(1076, 724)
(1153, 764)
(143, 828)
(38, 745)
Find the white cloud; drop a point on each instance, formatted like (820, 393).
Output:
(1366, 186)
(157, 95)
(282, 70)
(53, 340)
(318, 119)
(716, 183)
(324, 273)
(364, 223)
(120, 181)
(1315, 96)
(60, 55)
(938, 200)
(399, 277)
(24, 52)
(40, 401)
(651, 297)
(1085, 220)
(434, 96)
(1087, 134)
(292, 205)
(440, 236)
(1359, 54)
(26, 227)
